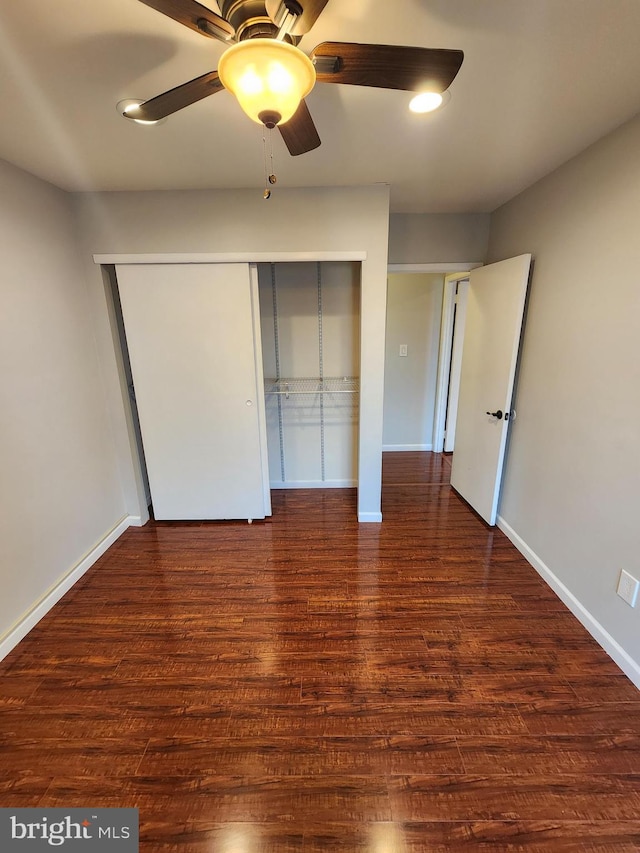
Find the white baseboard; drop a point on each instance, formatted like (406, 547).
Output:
(31, 618)
(369, 517)
(406, 447)
(627, 664)
(313, 484)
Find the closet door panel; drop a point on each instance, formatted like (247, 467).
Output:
(190, 337)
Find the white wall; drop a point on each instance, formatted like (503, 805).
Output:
(572, 484)
(425, 238)
(240, 221)
(309, 424)
(414, 308)
(59, 488)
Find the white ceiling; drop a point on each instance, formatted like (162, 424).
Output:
(541, 80)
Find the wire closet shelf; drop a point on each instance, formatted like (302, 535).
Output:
(312, 385)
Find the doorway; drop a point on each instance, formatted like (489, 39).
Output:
(310, 329)
(414, 306)
(415, 401)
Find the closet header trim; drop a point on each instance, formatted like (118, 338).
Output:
(229, 257)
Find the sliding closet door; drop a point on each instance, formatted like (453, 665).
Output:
(190, 334)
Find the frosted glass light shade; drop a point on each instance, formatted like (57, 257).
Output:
(267, 77)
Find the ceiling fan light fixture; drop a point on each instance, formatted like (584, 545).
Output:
(427, 102)
(268, 77)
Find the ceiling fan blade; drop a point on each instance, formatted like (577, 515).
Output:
(386, 66)
(311, 10)
(299, 133)
(194, 16)
(176, 99)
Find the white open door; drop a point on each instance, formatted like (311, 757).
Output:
(197, 375)
(495, 310)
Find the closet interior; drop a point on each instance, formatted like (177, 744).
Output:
(310, 328)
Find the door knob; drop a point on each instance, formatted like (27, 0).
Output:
(497, 414)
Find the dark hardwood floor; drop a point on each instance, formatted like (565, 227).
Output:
(312, 684)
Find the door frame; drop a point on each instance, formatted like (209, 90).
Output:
(449, 360)
(451, 411)
(453, 271)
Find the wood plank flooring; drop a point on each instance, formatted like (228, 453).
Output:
(312, 684)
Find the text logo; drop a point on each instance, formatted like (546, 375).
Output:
(73, 830)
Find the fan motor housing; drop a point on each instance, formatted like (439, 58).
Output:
(249, 18)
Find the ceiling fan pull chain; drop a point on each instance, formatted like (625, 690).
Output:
(267, 192)
(269, 176)
(272, 177)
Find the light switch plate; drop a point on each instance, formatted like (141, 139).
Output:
(404, 349)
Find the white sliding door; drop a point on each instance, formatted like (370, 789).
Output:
(191, 337)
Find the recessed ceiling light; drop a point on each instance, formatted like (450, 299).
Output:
(128, 107)
(427, 102)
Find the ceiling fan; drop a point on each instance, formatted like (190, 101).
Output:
(271, 76)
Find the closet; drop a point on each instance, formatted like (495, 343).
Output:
(245, 378)
(310, 329)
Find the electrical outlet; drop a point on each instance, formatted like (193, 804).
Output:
(628, 588)
(403, 349)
